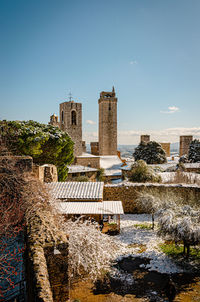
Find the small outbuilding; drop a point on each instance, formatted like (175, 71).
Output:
(75, 199)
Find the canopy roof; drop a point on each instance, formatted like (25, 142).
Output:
(76, 190)
(104, 207)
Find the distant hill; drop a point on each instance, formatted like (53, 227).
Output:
(127, 150)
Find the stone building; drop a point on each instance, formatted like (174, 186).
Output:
(54, 120)
(145, 138)
(107, 123)
(94, 148)
(71, 122)
(166, 148)
(185, 141)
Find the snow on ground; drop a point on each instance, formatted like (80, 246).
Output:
(131, 236)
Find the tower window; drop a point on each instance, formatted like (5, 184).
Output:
(109, 108)
(62, 116)
(73, 117)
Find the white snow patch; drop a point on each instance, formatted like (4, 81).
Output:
(131, 235)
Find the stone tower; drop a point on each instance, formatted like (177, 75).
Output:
(71, 122)
(145, 138)
(108, 123)
(185, 141)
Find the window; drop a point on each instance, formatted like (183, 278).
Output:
(73, 117)
(62, 116)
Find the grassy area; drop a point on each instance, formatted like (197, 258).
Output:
(143, 226)
(176, 251)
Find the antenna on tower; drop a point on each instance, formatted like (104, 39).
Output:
(70, 96)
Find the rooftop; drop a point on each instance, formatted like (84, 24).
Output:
(104, 207)
(79, 168)
(76, 190)
(111, 164)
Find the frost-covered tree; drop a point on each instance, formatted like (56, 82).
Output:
(149, 204)
(45, 143)
(90, 251)
(140, 172)
(151, 153)
(194, 151)
(182, 224)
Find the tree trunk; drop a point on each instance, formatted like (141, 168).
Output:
(188, 251)
(184, 247)
(153, 221)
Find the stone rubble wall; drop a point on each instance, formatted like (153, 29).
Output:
(129, 192)
(44, 283)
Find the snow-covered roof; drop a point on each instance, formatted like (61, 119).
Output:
(111, 165)
(79, 168)
(104, 207)
(76, 190)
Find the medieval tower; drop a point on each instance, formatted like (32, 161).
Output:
(108, 123)
(185, 141)
(71, 122)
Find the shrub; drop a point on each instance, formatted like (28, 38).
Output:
(194, 151)
(140, 172)
(100, 175)
(151, 153)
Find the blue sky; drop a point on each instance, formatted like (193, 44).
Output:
(148, 49)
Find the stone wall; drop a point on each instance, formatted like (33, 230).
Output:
(22, 163)
(128, 193)
(50, 173)
(38, 172)
(93, 162)
(46, 261)
(45, 173)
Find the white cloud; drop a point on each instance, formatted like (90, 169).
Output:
(89, 122)
(171, 109)
(134, 62)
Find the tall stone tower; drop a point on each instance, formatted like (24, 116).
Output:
(108, 123)
(185, 141)
(71, 122)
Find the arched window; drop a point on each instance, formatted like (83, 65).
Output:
(62, 116)
(73, 117)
